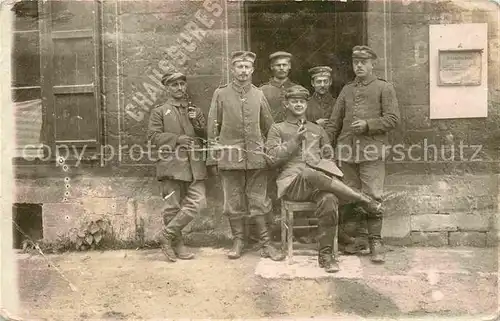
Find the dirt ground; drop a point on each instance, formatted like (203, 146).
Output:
(140, 285)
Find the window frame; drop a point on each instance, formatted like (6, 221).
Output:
(47, 93)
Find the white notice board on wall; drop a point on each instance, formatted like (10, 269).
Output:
(458, 70)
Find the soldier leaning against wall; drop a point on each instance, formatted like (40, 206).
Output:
(177, 129)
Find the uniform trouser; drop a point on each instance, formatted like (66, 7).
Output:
(304, 188)
(183, 201)
(369, 177)
(245, 193)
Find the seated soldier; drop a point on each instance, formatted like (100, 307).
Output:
(302, 151)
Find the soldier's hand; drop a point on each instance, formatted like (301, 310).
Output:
(321, 121)
(359, 126)
(185, 140)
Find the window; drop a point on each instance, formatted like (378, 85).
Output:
(56, 78)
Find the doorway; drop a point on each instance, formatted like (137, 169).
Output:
(315, 32)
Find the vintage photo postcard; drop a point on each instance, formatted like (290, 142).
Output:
(249, 159)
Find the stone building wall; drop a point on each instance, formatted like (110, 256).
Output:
(447, 203)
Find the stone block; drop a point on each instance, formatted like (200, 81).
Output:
(59, 218)
(149, 217)
(416, 117)
(480, 221)
(423, 204)
(476, 239)
(95, 206)
(435, 239)
(42, 190)
(421, 139)
(124, 221)
(116, 187)
(492, 238)
(397, 225)
(433, 223)
(453, 203)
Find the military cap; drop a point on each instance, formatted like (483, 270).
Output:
(172, 76)
(280, 54)
(297, 91)
(320, 71)
(363, 52)
(243, 56)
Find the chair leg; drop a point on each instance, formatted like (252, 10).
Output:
(284, 226)
(290, 236)
(336, 241)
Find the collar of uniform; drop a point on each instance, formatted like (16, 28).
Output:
(317, 96)
(177, 102)
(366, 81)
(242, 89)
(275, 83)
(293, 122)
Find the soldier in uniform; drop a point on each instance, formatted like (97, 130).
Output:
(319, 107)
(177, 128)
(280, 65)
(240, 118)
(299, 147)
(365, 111)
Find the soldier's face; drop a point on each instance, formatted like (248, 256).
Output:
(362, 67)
(297, 106)
(242, 70)
(321, 84)
(177, 89)
(281, 67)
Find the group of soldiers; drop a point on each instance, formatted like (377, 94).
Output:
(281, 136)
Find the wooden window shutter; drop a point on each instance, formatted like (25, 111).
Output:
(70, 77)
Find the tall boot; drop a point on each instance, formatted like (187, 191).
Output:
(361, 239)
(237, 229)
(326, 258)
(341, 190)
(181, 250)
(267, 250)
(172, 233)
(375, 239)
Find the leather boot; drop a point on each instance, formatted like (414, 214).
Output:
(361, 240)
(375, 240)
(267, 250)
(172, 234)
(326, 235)
(237, 229)
(168, 249)
(327, 261)
(340, 189)
(181, 250)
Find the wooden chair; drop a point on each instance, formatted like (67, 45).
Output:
(288, 210)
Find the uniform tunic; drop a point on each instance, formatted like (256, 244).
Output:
(373, 100)
(181, 172)
(275, 95)
(292, 157)
(240, 117)
(320, 106)
(166, 123)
